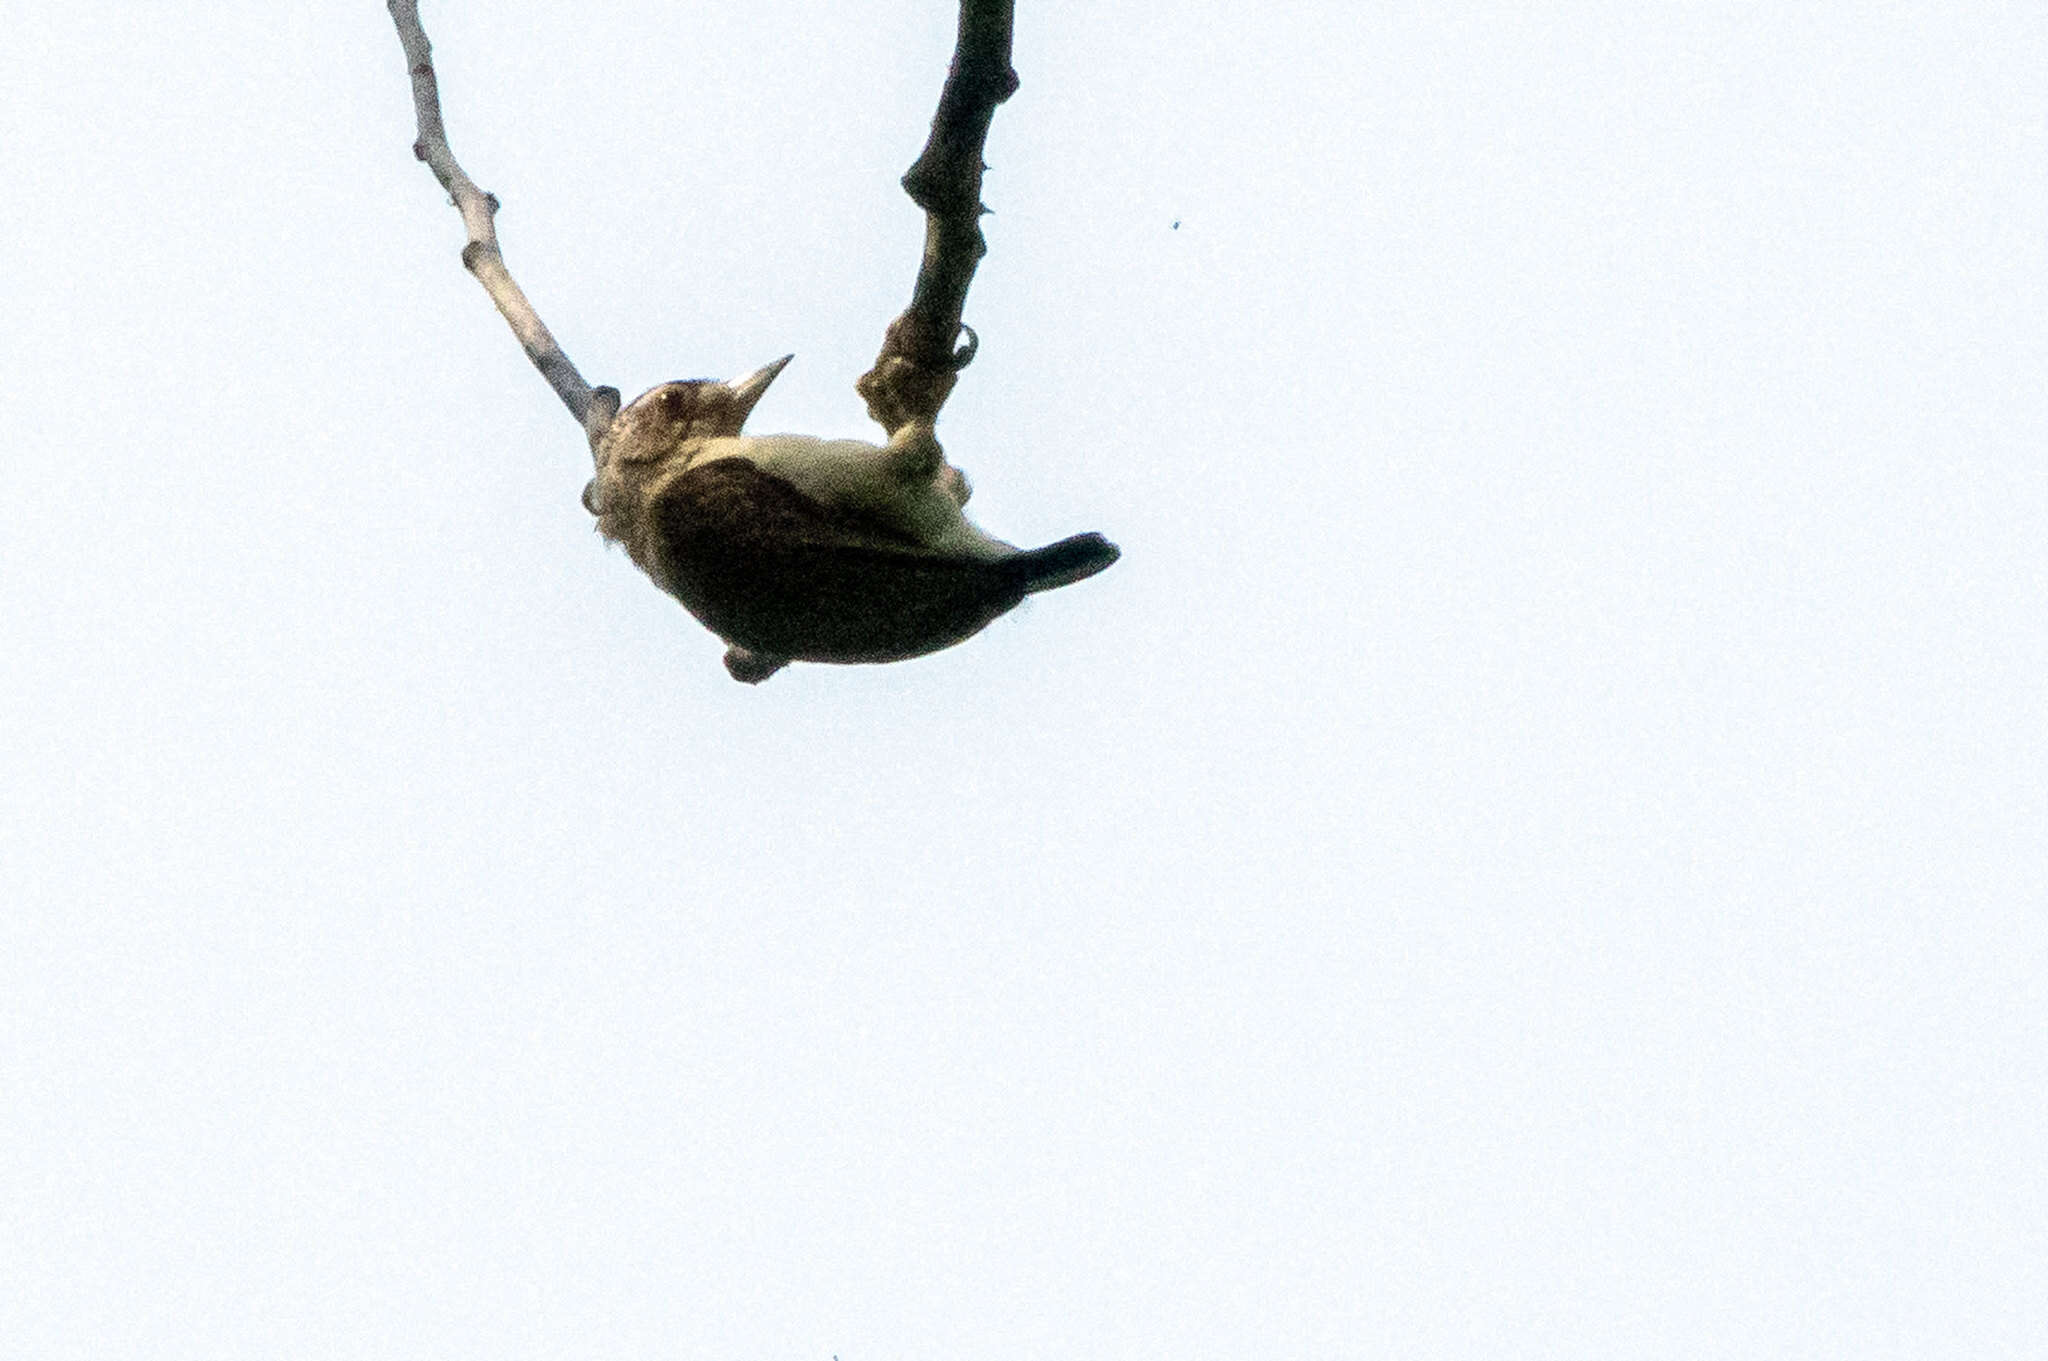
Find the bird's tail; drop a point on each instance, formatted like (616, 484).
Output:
(1065, 562)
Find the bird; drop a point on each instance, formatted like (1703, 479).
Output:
(795, 548)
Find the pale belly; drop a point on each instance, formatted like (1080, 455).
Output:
(916, 496)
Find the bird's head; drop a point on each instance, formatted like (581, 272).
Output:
(665, 419)
(661, 429)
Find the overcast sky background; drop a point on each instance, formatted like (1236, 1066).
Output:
(1537, 850)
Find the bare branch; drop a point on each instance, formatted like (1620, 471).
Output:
(915, 372)
(481, 256)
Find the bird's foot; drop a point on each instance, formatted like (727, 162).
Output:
(752, 667)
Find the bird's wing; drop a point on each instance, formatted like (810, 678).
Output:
(769, 569)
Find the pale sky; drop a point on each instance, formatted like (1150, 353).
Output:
(1536, 851)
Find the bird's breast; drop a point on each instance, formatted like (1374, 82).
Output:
(869, 481)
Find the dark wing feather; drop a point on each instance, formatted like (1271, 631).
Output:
(767, 568)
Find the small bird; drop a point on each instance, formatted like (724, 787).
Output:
(794, 548)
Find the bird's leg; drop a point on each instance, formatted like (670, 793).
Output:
(914, 458)
(913, 453)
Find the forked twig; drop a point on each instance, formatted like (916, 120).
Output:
(792, 548)
(478, 208)
(918, 365)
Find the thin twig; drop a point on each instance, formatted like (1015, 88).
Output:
(481, 256)
(917, 367)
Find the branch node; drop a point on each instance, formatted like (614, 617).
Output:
(916, 369)
(598, 418)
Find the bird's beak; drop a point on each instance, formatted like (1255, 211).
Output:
(747, 391)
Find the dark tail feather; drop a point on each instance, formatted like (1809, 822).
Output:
(1065, 562)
